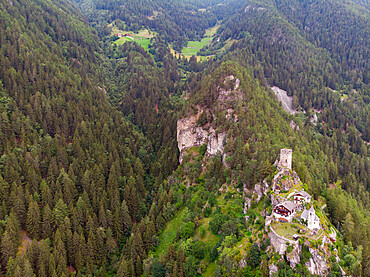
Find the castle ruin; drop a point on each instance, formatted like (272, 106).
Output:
(286, 158)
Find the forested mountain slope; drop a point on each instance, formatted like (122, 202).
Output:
(287, 50)
(75, 176)
(209, 188)
(90, 182)
(310, 49)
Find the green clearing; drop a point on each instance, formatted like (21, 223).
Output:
(169, 234)
(210, 271)
(143, 43)
(199, 44)
(211, 31)
(122, 40)
(285, 230)
(193, 47)
(142, 37)
(189, 52)
(209, 238)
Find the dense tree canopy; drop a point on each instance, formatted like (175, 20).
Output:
(89, 173)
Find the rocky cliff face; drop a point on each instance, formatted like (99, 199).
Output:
(280, 243)
(260, 189)
(317, 264)
(216, 143)
(190, 134)
(294, 257)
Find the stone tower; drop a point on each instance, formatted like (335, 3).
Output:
(311, 218)
(286, 158)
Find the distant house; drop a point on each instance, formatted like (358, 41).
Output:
(119, 35)
(302, 197)
(127, 35)
(313, 221)
(285, 209)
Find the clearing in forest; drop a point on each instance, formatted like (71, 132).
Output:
(141, 37)
(193, 47)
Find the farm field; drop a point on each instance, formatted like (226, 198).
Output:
(142, 37)
(193, 47)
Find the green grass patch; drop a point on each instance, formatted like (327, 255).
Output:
(193, 47)
(143, 43)
(141, 37)
(199, 44)
(168, 234)
(210, 271)
(211, 31)
(122, 40)
(285, 230)
(209, 238)
(189, 51)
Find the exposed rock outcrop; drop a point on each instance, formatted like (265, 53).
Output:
(190, 134)
(274, 200)
(317, 264)
(280, 243)
(294, 256)
(294, 126)
(260, 189)
(216, 143)
(286, 101)
(285, 179)
(273, 269)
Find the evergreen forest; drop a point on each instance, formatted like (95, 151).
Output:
(95, 96)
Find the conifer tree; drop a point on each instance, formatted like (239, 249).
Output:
(8, 249)
(118, 223)
(27, 271)
(102, 216)
(123, 269)
(33, 220)
(60, 211)
(60, 254)
(19, 205)
(126, 218)
(47, 227)
(43, 260)
(91, 246)
(111, 244)
(46, 196)
(52, 267)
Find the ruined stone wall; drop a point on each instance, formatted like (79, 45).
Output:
(286, 158)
